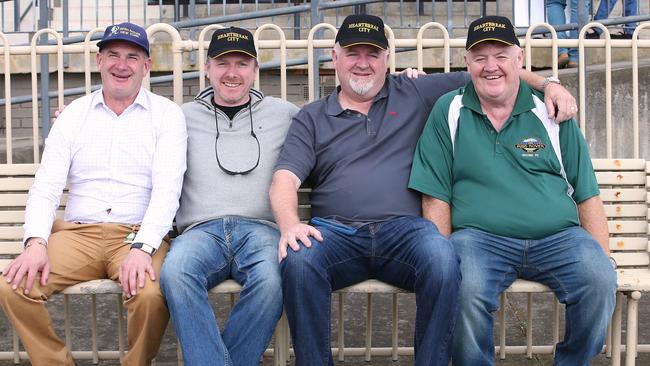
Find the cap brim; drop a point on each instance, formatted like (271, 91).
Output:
(232, 51)
(489, 39)
(351, 43)
(101, 44)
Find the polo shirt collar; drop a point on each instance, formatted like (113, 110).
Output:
(523, 103)
(140, 100)
(334, 107)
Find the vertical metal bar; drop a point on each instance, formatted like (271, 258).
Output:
(502, 326)
(316, 19)
(192, 55)
(394, 335)
(8, 119)
(450, 17)
(120, 326)
(128, 10)
(632, 328)
(16, 347)
(433, 10)
(66, 321)
(581, 14)
(529, 328)
(45, 75)
(224, 5)
(66, 28)
(296, 26)
(616, 329)
(401, 13)
(160, 10)
(368, 326)
(81, 14)
(93, 328)
(96, 13)
(112, 11)
(177, 11)
(483, 8)
(556, 323)
(16, 16)
(144, 13)
(341, 335)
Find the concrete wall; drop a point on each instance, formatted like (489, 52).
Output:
(297, 93)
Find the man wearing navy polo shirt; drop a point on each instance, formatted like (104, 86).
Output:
(524, 204)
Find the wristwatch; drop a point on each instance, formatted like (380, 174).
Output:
(29, 242)
(144, 247)
(550, 79)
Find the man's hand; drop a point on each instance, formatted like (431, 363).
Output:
(298, 232)
(132, 271)
(57, 113)
(560, 104)
(411, 73)
(30, 262)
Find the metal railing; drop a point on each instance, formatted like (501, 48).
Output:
(80, 16)
(421, 44)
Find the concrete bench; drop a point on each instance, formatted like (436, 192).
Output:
(625, 189)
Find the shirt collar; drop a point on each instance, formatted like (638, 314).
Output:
(141, 99)
(523, 103)
(334, 107)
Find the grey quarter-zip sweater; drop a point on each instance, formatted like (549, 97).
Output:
(210, 193)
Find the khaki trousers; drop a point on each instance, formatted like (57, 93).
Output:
(77, 253)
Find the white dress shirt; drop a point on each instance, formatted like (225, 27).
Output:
(121, 169)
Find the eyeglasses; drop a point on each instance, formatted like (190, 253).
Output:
(216, 146)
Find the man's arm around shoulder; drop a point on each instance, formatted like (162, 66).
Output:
(284, 202)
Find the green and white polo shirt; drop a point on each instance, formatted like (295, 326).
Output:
(522, 182)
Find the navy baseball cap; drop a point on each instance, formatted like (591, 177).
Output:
(491, 28)
(127, 32)
(233, 39)
(362, 29)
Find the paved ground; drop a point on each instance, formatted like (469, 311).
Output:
(354, 319)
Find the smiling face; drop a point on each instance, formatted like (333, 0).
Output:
(494, 69)
(231, 76)
(122, 66)
(361, 70)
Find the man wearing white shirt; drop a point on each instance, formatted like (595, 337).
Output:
(121, 150)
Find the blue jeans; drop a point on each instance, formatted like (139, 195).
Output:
(407, 252)
(570, 262)
(235, 248)
(629, 9)
(556, 16)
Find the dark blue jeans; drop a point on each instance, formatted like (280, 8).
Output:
(570, 262)
(407, 252)
(206, 255)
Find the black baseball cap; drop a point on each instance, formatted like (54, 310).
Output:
(127, 32)
(362, 29)
(491, 28)
(233, 39)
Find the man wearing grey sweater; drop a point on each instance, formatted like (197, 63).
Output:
(235, 134)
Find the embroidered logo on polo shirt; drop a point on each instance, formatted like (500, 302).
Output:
(530, 146)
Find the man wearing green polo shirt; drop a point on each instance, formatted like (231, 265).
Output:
(521, 197)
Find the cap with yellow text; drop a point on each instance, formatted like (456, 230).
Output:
(233, 39)
(491, 28)
(359, 29)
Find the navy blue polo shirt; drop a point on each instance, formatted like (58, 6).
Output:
(358, 166)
